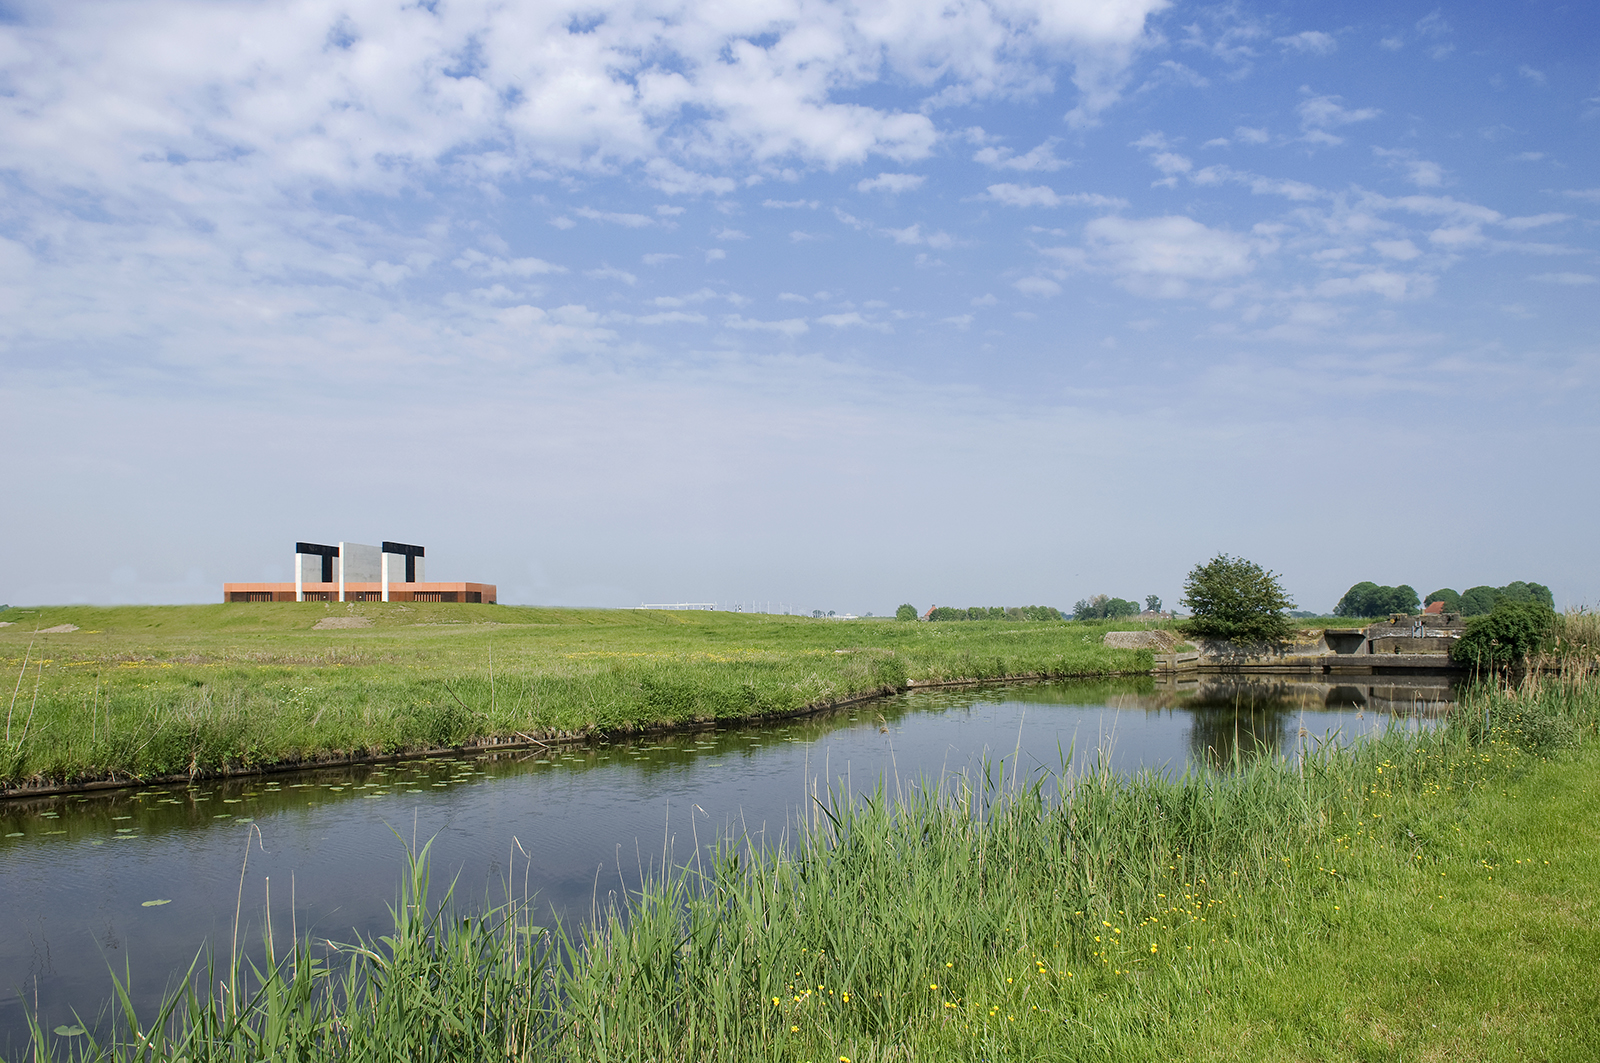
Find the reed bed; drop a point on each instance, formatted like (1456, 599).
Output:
(978, 917)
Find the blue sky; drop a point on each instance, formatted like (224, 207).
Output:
(834, 306)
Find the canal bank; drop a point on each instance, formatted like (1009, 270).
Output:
(144, 693)
(988, 922)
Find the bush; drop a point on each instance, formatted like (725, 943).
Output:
(906, 612)
(1505, 636)
(1232, 598)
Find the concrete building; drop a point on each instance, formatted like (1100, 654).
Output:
(357, 572)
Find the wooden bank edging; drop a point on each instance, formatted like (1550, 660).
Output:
(525, 741)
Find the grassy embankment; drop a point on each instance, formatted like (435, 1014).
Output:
(1427, 896)
(150, 691)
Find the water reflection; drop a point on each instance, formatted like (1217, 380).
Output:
(80, 873)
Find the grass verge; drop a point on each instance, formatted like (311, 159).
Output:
(142, 692)
(1425, 896)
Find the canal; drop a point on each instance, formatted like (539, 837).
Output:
(139, 881)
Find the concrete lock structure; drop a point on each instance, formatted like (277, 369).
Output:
(357, 572)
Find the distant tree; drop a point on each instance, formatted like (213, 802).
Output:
(1102, 607)
(1506, 635)
(1518, 591)
(1152, 603)
(1451, 600)
(1479, 601)
(906, 612)
(1369, 599)
(816, 612)
(1232, 598)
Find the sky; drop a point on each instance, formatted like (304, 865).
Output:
(796, 304)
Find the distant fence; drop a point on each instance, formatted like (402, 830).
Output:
(681, 605)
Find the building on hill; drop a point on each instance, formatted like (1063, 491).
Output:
(357, 572)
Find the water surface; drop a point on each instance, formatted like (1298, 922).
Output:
(141, 880)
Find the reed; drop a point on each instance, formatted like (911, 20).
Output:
(1218, 915)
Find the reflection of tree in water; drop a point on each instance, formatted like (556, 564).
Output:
(1253, 721)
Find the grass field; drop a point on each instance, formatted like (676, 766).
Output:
(1426, 896)
(158, 690)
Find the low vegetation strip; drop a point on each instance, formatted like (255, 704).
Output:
(146, 692)
(1426, 896)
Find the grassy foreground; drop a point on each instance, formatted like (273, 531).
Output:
(147, 691)
(1427, 897)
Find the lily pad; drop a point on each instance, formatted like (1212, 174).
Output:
(155, 904)
(70, 1031)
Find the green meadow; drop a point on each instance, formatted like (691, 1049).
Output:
(1419, 896)
(144, 691)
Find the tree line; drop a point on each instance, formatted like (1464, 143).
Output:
(1103, 607)
(1372, 599)
(982, 612)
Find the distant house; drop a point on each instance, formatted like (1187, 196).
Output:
(929, 614)
(1434, 608)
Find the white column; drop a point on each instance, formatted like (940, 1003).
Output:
(385, 575)
(299, 580)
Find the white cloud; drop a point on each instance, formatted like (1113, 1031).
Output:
(1296, 190)
(1039, 159)
(1457, 236)
(790, 204)
(791, 297)
(491, 88)
(611, 273)
(1399, 250)
(563, 222)
(730, 234)
(716, 254)
(1535, 76)
(677, 181)
(670, 301)
(1534, 221)
(984, 300)
(1419, 172)
(1310, 42)
(1571, 279)
(913, 235)
(1318, 114)
(1043, 196)
(476, 261)
(1592, 195)
(1250, 135)
(1382, 282)
(960, 321)
(800, 236)
(1160, 255)
(630, 221)
(659, 258)
(1020, 196)
(791, 327)
(672, 317)
(853, 318)
(893, 183)
(1043, 287)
